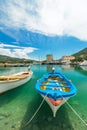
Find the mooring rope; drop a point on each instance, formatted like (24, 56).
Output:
(35, 112)
(84, 122)
(75, 111)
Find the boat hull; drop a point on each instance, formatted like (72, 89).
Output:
(8, 85)
(56, 89)
(55, 106)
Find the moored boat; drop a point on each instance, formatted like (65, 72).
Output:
(56, 89)
(15, 80)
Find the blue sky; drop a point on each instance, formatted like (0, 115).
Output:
(32, 29)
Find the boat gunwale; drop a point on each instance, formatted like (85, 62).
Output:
(58, 93)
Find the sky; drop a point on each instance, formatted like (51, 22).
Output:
(31, 29)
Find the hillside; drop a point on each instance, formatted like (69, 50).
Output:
(8, 59)
(81, 55)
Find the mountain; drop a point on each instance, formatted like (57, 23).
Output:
(8, 59)
(81, 55)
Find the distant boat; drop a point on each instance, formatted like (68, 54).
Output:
(56, 89)
(84, 63)
(12, 81)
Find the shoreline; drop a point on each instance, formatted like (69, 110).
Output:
(14, 65)
(27, 64)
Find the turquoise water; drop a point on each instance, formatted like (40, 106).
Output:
(18, 105)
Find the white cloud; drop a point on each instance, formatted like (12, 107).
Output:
(8, 45)
(4, 51)
(16, 51)
(54, 17)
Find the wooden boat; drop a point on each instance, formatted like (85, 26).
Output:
(56, 89)
(14, 80)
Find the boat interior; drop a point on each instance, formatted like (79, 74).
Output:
(55, 83)
(14, 77)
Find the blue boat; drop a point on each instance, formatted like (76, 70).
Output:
(56, 89)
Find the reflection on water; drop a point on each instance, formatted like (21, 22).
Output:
(58, 67)
(67, 67)
(49, 68)
(84, 68)
(18, 105)
(11, 70)
(81, 69)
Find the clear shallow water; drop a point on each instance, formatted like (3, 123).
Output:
(18, 105)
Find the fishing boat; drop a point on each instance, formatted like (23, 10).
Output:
(56, 89)
(12, 81)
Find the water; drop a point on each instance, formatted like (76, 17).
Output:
(18, 105)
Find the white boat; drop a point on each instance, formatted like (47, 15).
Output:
(84, 63)
(15, 80)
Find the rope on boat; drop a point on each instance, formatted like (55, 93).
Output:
(84, 122)
(35, 111)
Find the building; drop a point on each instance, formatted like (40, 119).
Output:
(49, 58)
(68, 57)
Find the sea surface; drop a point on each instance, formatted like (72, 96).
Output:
(17, 106)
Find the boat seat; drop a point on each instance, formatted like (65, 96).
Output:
(43, 87)
(54, 78)
(63, 84)
(11, 77)
(45, 82)
(66, 89)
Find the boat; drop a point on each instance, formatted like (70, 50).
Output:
(8, 82)
(84, 63)
(56, 89)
